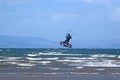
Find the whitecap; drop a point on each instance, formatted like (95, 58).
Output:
(91, 58)
(13, 63)
(8, 50)
(29, 58)
(56, 58)
(45, 62)
(26, 64)
(54, 68)
(58, 53)
(74, 58)
(79, 67)
(24, 67)
(49, 73)
(112, 56)
(119, 56)
(103, 55)
(87, 58)
(5, 60)
(98, 55)
(32, 55)
(67, 60)
(14, 58)
(104, 63)
(100, 69)
(41, 62)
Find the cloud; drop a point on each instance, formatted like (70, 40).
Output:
(63, 17)
(98, 2)
(20, 3)
(115, 15)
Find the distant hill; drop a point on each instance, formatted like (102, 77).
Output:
(96, 43)
(37, 42)
(26, 42)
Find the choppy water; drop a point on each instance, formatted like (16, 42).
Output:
(59, 61)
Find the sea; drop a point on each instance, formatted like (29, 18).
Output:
(16, 61)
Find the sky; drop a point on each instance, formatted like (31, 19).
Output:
(52, 19)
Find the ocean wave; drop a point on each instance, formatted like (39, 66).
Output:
(8, 50)
(54, 68)
(40, 62)
(80, 58)
(32, 55)
(13, 63)
(103, 63)
(58, 53)
(26, 64)
(13, 58)
(68, 60)
(118, 56)
(101, 69)
(29, 58)
(56, 58)
(79, 67)
(22, 67)
(103, 55)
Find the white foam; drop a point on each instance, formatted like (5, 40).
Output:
(32, 55)
(103, 55)
(14, 58)
(49, 53)
(83, 73)
(100, 69)
(13, 63)
(98, 55)
(8, 50)
(90, 63)
(45, 62)
(79, 67)
(90, 58)
(82, 58)
(41, 62)
(119, 56)
(58, 53)
(49, 73)
(8, 60)
(118, 62)
(104, 63)
(29, 58)
(26, 64)
(54, 68)
(24, 67)
(112, 56)
(67, 60)
(56, 58)
(74, 58)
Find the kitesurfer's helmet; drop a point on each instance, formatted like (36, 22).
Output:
(68, 34)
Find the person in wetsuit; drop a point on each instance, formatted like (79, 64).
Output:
(68, 37)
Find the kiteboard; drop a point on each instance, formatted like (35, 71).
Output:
(66, 45)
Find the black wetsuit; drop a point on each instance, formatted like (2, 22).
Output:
(68, 37)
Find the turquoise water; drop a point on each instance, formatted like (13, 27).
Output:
(59, 61)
